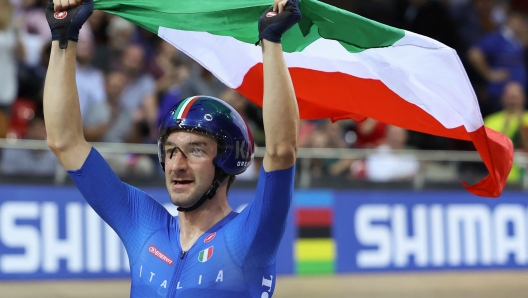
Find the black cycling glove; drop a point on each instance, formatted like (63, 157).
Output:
(65, 25)
(272, 25)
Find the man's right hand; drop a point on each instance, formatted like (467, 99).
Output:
(65, 25)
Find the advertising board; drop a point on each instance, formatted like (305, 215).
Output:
(49, 232)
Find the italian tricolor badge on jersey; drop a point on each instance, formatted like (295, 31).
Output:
(205, 254)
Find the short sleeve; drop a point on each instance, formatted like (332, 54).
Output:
(133, 214)
(253, 237)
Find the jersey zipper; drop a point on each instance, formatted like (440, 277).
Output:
(176, 275)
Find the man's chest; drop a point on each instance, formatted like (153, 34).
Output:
(163, 268)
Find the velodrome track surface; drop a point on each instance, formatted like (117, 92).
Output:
(505, 284)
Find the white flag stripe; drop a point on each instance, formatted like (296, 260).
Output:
(420, 70)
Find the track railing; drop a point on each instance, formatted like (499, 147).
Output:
(304, 155)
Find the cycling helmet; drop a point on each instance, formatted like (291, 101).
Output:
(216, 118)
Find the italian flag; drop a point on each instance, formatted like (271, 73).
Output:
(342, 66)
(205, 254)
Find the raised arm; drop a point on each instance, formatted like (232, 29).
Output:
(61, 101)
(280, 110)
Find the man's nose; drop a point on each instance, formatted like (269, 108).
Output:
(178, 161)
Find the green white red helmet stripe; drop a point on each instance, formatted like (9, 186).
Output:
(184, 107)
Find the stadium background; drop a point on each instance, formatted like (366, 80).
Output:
(378, 211)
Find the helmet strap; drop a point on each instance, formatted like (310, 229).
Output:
(219, 177)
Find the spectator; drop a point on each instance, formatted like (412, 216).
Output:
(499, 57)
(512, 121)
(108, 55)
(327, 135)
(107, 121)
(387, 165)
(90, 80)
(139, 94)
(110, 122)
(11, 49)
(30, 162)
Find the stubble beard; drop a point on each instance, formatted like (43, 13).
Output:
(188, 200)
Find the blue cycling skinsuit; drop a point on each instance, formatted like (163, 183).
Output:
(235, 258)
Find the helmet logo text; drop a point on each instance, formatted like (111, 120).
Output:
(240, 152)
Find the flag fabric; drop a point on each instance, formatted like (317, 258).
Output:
(342, 66)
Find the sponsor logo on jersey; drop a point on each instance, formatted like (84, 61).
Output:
(60, 15)
(153, 250)
(205, 254)
(271, 14)
(209, 237)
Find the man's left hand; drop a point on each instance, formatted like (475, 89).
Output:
(278, 19)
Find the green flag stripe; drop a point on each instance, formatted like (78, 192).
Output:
(231, 15)
(239, 19)
(354, 32)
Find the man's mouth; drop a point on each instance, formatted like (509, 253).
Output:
(181, 182)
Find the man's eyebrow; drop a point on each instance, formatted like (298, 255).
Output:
(170, 144)
(197, 143)
(191, 143)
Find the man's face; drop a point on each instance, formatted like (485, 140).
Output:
(188, 178)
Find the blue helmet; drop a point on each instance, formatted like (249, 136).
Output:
(214, 117)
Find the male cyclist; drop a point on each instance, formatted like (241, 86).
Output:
(207, 250)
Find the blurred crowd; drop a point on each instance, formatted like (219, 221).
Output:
(128, 78)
